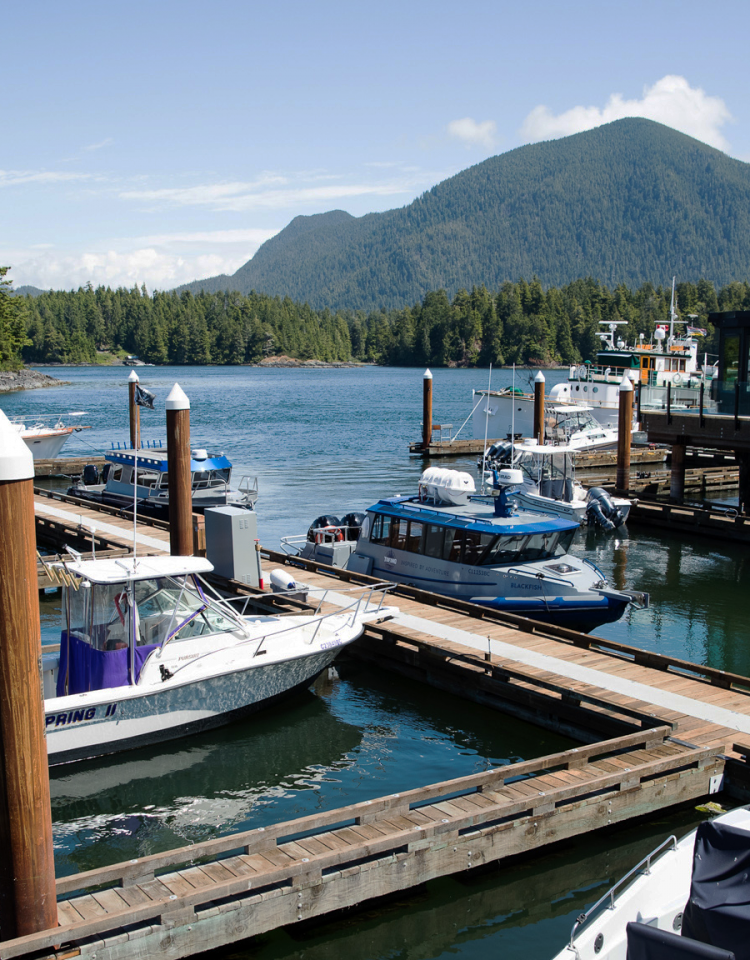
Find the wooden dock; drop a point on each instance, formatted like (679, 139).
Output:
(66, 466)
(655, 732)
(660, 732)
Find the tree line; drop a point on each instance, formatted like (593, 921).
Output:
(520, 323)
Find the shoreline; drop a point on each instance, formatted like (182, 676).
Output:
(26, 379)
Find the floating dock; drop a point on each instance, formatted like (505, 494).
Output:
(655, 732)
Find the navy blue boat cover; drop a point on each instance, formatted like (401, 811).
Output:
(650, 943)
(718, 911)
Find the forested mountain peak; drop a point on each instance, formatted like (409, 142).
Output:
(632, 201)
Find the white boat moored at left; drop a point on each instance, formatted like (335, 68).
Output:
(148, 654)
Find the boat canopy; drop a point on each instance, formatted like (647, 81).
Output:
(409, 507)
(148, 461)
(148, 568)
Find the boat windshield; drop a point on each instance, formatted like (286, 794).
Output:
(173, 610)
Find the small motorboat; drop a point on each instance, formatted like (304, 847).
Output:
(45, 436)
(687, 898)
(549, 483)
(149, 653)
(142, 475)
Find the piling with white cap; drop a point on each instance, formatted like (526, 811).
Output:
(427, 409)
(177, 406)
(28, 902)
(624, 434)
(539, 407)
(135, 411)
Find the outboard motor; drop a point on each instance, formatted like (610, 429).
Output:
(497, 453)
(600, 511)
(90, 475)
(106, 470)
(325, 529)
(353, 524)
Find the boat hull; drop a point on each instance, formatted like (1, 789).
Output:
(46, 444)
(88, 725)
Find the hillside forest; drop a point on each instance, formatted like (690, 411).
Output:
(520, 323)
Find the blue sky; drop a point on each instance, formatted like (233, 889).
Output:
(162, 142)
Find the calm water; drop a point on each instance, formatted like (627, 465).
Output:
(323, 441)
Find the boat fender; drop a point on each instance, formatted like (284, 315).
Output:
(281, 581)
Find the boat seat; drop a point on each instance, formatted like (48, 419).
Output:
(649, 943)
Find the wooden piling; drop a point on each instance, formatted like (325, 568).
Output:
(539, 407)
(135, 412)
(427, 409)
(624, 433)
(28, 902)
(178, 462)
(677, 472)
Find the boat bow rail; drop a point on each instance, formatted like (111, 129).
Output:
(609, 899)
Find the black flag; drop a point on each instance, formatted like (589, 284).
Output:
(144, 398)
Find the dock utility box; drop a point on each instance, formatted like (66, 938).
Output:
(231, 533)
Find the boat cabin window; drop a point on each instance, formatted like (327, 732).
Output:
(464, 545)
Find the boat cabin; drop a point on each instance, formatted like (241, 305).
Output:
(153, 471)
(400, 523)
(117, 612)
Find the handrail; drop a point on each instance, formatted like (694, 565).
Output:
(483, 780)
(584, 918)
(712, 675)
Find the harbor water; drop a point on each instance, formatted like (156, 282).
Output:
(325, 441)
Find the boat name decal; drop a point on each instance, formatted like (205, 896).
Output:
(74, 716)
(330, 643)
(189, 656)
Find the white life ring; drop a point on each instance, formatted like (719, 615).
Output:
(582, 372)
(677, 379)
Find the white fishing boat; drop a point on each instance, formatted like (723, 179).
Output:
(685, 899)
(509, 412)
(148, 653)
(548, 483)
(45, 436)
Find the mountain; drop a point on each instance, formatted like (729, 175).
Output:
(26, 291)
(629, 202)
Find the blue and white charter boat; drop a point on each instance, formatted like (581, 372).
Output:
(143, 475)
(475, 548)
(148, 654)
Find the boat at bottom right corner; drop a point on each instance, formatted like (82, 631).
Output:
(687, 898)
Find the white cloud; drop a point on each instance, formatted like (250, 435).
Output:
(473, 133)
(272, 192)
(160, 261)
(102, 143)
(671, 101)
(11, 178)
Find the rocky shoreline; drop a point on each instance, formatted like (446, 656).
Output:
(26, 380)
(284, 361)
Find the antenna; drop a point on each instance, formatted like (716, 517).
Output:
(672, 312)
(486, 425)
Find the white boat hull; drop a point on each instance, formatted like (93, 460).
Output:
(46, 444)
(106, 721)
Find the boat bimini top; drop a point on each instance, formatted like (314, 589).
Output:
(147, 568)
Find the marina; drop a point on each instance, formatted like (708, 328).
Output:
(448, 648)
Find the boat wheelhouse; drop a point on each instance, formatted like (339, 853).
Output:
(148, 653)
(548, 483)
(475, 548)
(144, 475)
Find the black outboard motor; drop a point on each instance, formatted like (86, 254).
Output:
(353, 523)
(324, 530)
(601, 512)
(90, 475)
